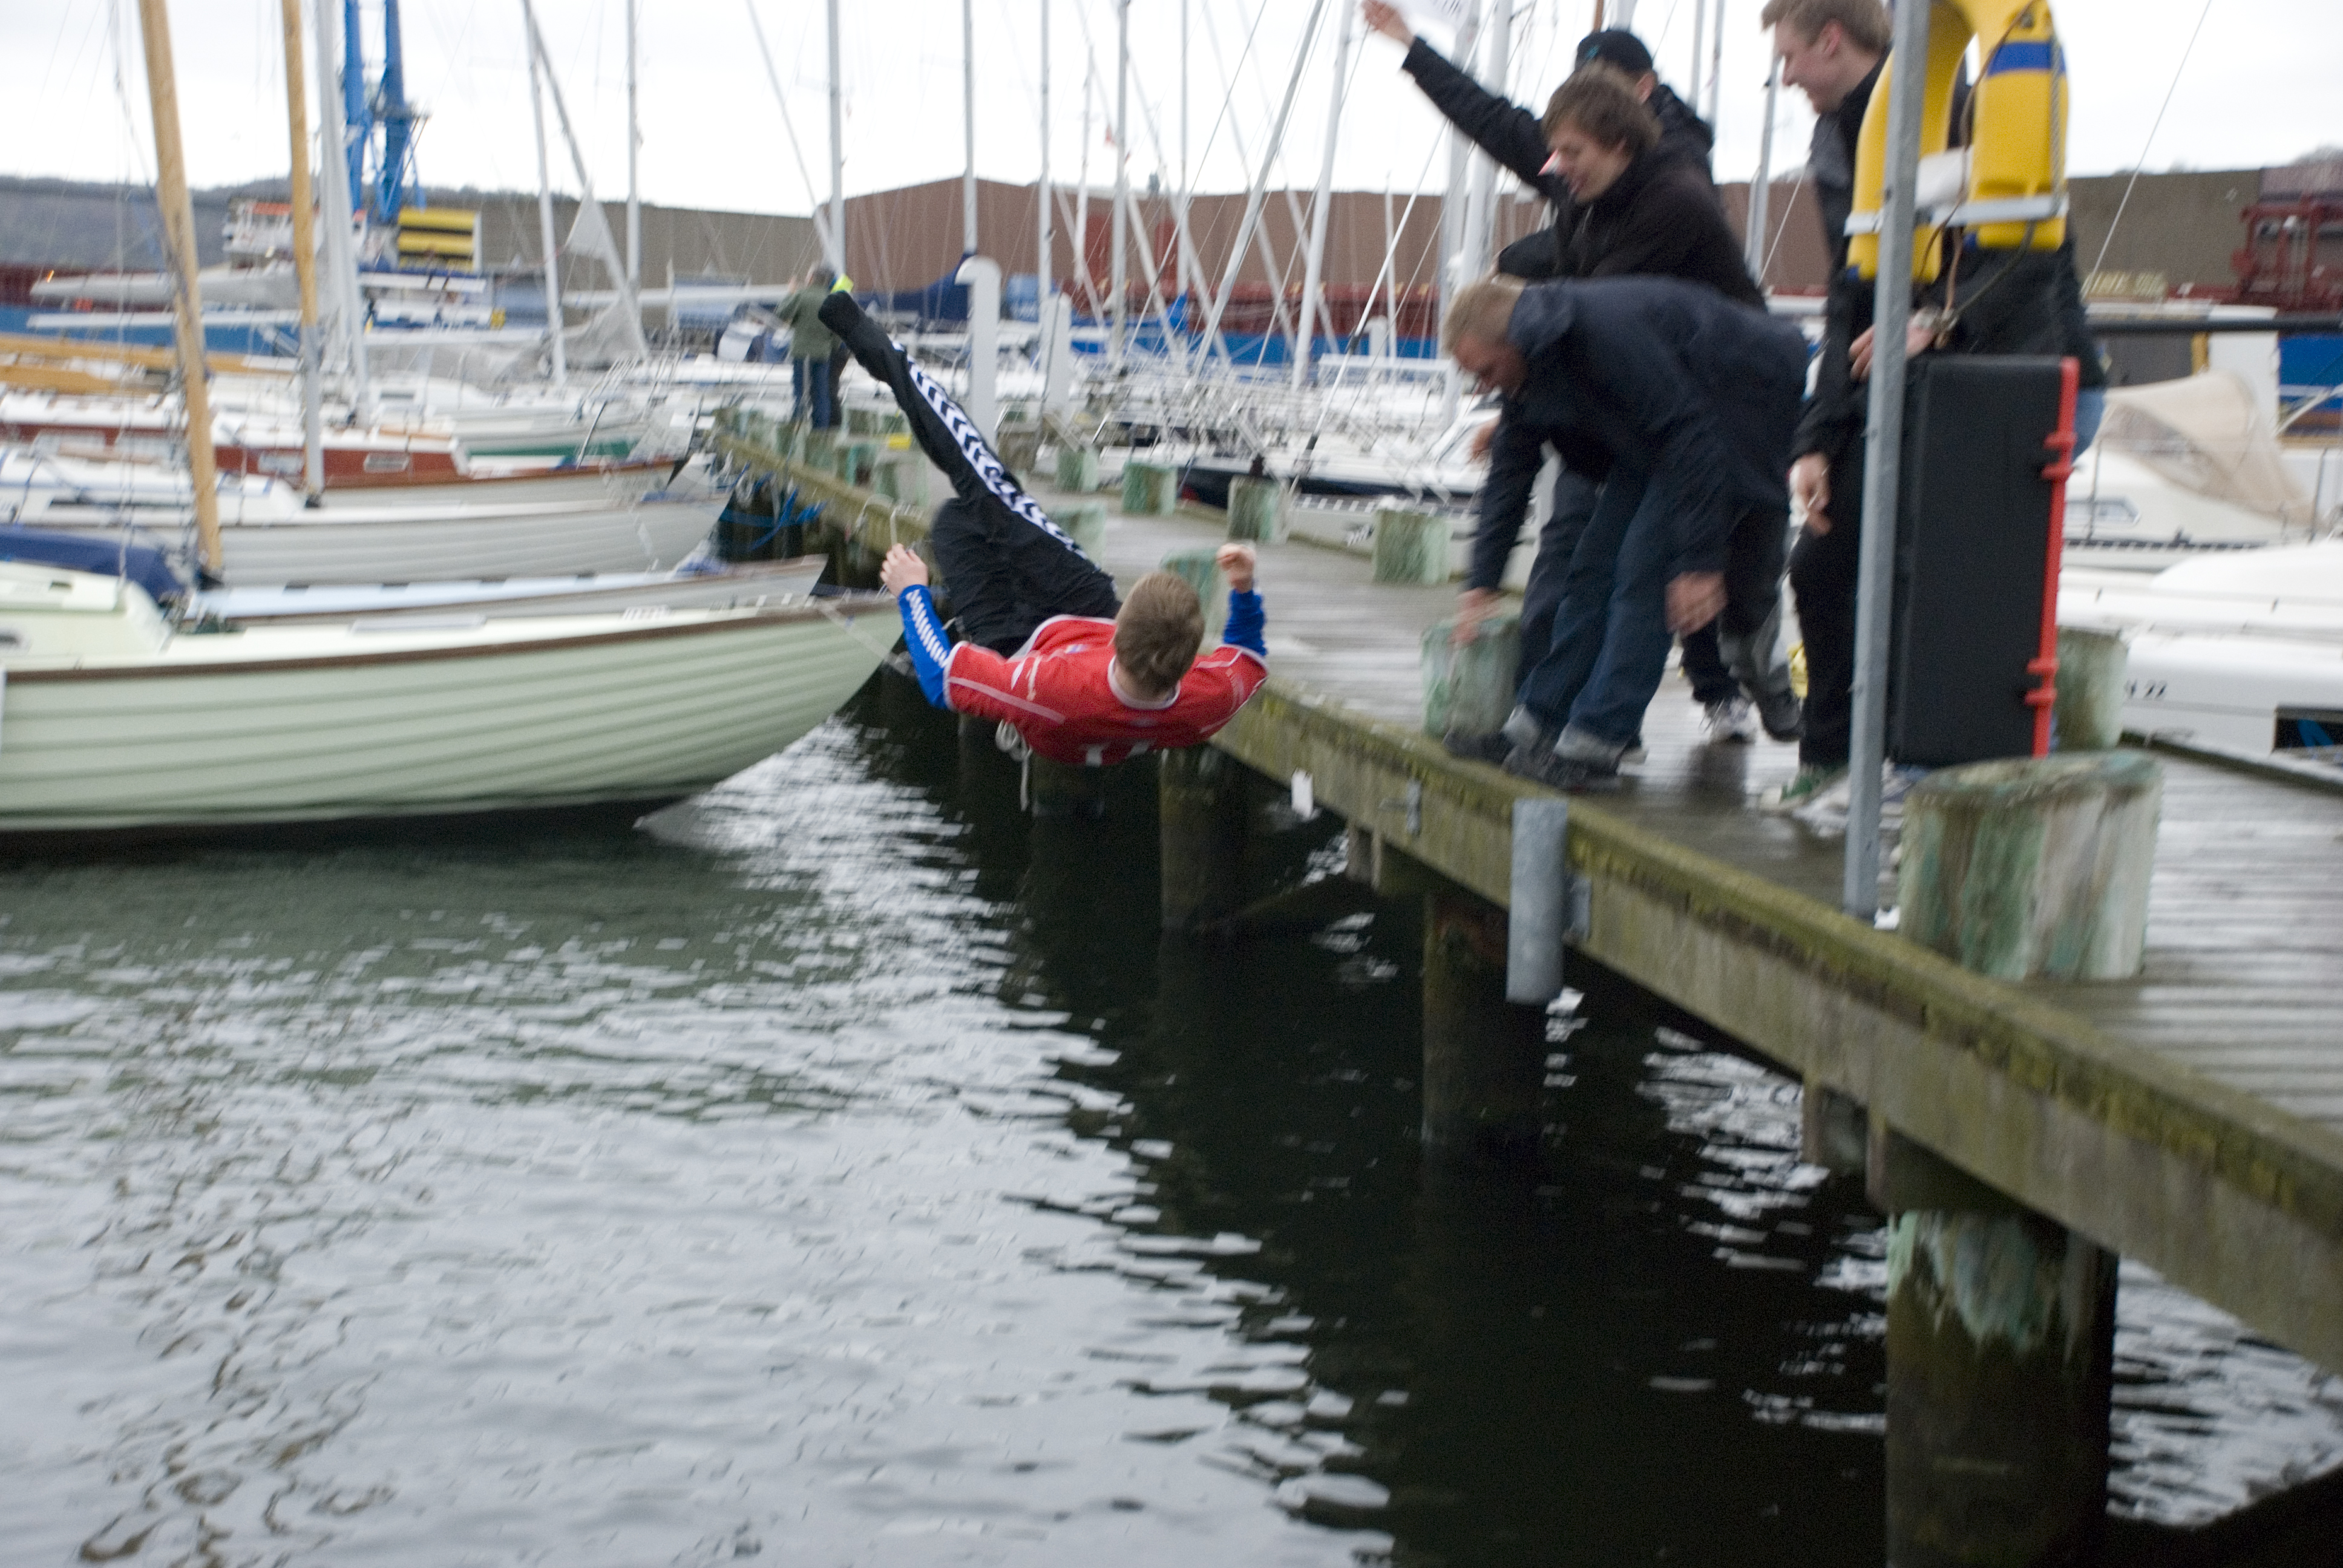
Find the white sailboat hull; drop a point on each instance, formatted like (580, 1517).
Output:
(433, 544)
(545, 714)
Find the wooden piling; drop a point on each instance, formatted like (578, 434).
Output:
(1468, 688)
(2091, 669)
(1257, 510)
(1204, 809)
(1483, 1057)
(1203, 575)
(2033, 868)
(1148, 490)
(1410, 547)
(1078, 468)
(1085, 524)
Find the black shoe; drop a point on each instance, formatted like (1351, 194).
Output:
(1491, 747)
(1571, 775)
(1783, 715)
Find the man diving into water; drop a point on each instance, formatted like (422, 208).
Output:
(1045, 646)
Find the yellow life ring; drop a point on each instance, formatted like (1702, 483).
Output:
(2014, 195)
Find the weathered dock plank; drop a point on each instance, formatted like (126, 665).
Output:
(2191, 1117)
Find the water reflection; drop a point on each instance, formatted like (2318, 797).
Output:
(845, 1168)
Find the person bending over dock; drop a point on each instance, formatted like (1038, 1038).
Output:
(1685, 403)
(1045, 646)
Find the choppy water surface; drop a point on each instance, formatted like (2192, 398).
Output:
(842, 1171)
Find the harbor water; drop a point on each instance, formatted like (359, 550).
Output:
(842, 1169)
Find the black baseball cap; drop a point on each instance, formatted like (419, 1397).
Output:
(1616, 46)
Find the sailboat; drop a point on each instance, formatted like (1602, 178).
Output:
(113, 720)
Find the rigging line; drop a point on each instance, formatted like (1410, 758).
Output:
(821, 218)
(1268, 258)
(2116, 221)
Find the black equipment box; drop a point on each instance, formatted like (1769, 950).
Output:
(1972, 546)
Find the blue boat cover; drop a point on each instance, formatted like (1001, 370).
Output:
(113, 556)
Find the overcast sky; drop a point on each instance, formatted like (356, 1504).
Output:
(2258, 88)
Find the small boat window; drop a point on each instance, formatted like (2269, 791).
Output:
(387, 462)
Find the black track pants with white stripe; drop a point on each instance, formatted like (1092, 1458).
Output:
(1006, 564)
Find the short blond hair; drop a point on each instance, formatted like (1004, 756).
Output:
(1865, 22)
(1482, 310)
(1158, 632)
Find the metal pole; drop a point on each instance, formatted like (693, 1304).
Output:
(1187, 278)
(341, 253)
(305, 254)
(824, 225)
(1761, 189)
(179, 234)
(600, 231)
(1453, 260)
(1481, 214)
(1716, 67)
(1699, 53)
(968, 109)
(634, 146)
(1883, 452)
(1121, 304)
(1042, 319)
(545, 214)
(837, 154)
(1314, 267)
(1623, 17)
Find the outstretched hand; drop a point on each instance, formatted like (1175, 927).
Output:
(1694, 598)
(1235, 562)
(901, 569)
(1385, 18)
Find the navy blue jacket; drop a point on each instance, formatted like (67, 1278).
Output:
(1667, 378)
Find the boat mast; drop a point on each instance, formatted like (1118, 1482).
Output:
(545, 210)
(634, 146)
(179, 237)
(1119, 272)
(1042, 291)
(1187, 277)
(837, 154)
(305, 256)
(1312, 271)
(968, 110)
(1699, 53)
(1249, 225)
(1761, 189)
(589, 211)
(1717, 64)
(341, 202)
(832, 247)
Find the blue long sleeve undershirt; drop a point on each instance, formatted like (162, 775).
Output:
(931, 646)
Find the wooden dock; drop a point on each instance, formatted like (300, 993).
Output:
(2192, 1119)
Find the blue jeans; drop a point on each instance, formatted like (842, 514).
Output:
(1574, 495)
(1611, 639)
(811, 381)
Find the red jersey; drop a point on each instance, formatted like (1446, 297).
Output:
(1055, 692)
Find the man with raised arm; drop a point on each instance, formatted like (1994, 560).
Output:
(1045, 645)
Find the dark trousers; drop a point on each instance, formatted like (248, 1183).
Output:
(1007, 577)
(1824, 571)
(1574, 495)
(811, 381)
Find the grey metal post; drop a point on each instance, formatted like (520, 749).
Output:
(545, 207)
(1882, 453)
(1717, 64)
(1314, 267)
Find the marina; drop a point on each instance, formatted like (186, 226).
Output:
(1687, 915)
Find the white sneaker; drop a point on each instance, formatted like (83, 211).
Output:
(1729, 721)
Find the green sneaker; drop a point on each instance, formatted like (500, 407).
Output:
(1807, 783)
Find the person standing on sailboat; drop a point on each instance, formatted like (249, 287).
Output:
(1045, 646)
(1624, 164)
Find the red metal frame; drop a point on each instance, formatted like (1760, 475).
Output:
(2060, 445)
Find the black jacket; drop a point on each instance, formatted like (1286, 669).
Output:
(2004, 301)
(1678, 230)
(1658, 375)
(1830, 164)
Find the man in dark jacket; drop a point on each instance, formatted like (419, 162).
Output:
(1683, 402)
(2000, 302)
(1653, 212)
